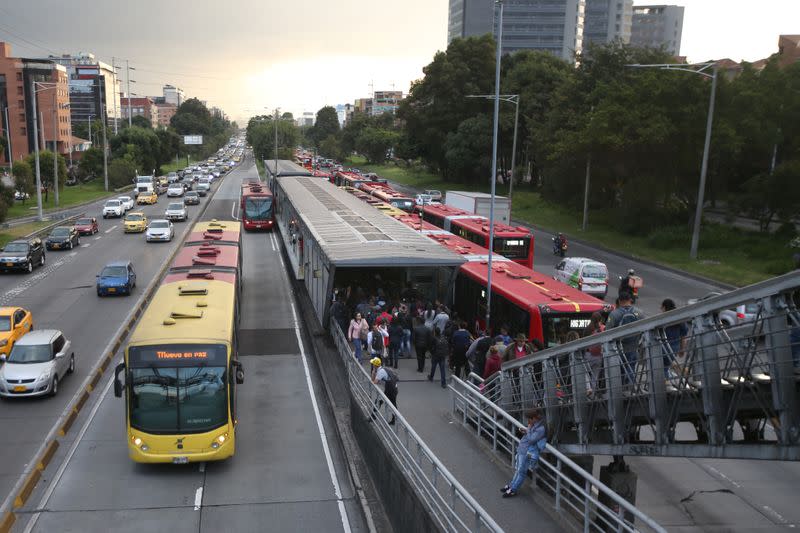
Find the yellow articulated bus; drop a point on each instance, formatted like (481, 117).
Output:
(181, 370)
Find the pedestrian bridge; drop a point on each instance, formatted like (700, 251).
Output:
(724, 391)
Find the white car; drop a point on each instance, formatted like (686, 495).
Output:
(176, 211)
(423, 199)
(36, 364)
(176, 189)
(127, 202)
(203, 185)
(113, 208)
(159, 230)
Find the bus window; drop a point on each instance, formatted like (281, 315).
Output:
(555, 327)
(258, 208)
(512, 248)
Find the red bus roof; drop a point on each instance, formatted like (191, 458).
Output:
(473, 222)
(454, 243)
(198, 238)
(206, 257)
(255, 189)
(200, 275)
(526, 288)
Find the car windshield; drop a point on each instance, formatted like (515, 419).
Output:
(124, 199)
(595, 271)
(60, 232)
(16, 247)
(83, 222)
(176, 207)
(5, 323)
(190, 194)
(159, 224)
(258, 208)
(30, 353)
(113, 203)
(185, 397)
(113, 272)
(135, 217)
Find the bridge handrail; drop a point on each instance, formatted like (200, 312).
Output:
(376, 405)
(463, 390)
(687, 313)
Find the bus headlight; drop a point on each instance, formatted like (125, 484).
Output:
(219, 441)
(139, 443)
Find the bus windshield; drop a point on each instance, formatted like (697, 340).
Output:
(512, 248)
(256, 208)
(178, 389)
(556, 327)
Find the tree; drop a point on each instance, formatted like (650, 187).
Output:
(5, 203)
(169, 144)
(767, 196)
(141, 145)
(142, 122)
(468, 150)
(81, 129)
(46, 168)
(287, 116)
(121, 172)
(331, 147)
(374, 143)
(327, 123)
(191, 118)
(91, 164)
(23, 178)
(261, 136)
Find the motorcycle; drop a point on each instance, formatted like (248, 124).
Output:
(559, 246)
(634, 283)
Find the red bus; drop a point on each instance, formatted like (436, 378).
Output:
(256, 206)
(351, 179)
(515, 243)
(385, 193)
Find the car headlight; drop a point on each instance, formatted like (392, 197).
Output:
(44, 377)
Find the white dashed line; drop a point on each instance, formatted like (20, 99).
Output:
(109, 230)
(198, 498)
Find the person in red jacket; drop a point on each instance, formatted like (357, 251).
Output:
(493, 362)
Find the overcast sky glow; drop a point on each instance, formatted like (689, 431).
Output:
(245, 55)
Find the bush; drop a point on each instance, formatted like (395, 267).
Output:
(669, 237)
(121, 173)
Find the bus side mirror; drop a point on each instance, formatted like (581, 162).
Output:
(117, 383)
(239, 372)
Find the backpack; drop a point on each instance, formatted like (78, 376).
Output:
(393, 378)
(377, 342)
(631, 315)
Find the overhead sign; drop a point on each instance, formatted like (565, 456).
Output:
(192, 139)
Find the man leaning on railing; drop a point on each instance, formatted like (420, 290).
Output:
(533, 441)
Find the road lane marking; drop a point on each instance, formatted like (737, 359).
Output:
(322, 436)
(53, 483)
(86, 245)
(109, 230)
(198, 498)
(233, 208)
(272, 241)
(202, 467)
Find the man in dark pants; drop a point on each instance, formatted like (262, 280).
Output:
(380, 374)
(422, 337)
(439, 356)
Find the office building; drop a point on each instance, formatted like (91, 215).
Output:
(363, 105)
(344, 112)
(657, 27)
(165, 113)
(788, 49)
(554, 26)
(386, 102)
(606, 21)
(174, 95)
(93, 88)
(17, 77)
(140, 107)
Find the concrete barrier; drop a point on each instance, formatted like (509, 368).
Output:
(7, 522)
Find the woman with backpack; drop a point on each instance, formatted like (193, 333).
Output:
(375, 341)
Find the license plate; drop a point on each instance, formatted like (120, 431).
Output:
(20, 388)
(9, 264)
(180, 460)
(112, 289)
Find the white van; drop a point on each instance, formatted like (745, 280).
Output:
(584, 274)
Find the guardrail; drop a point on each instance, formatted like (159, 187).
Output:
(450, 503)
(576, 494)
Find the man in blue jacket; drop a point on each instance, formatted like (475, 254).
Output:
(532, 442)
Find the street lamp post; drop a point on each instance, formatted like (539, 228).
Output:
(699, 68)
(55, 144)
(495, 127)
(514, 99)
(36, 153)
(10, 151)
(128, 69)
(105, 146)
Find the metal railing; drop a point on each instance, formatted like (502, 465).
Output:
(576, 494)
(450, 503)
(715, 379)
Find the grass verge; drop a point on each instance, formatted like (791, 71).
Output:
(16, 232)
(176, 166)
(727, 254)
(69, 196)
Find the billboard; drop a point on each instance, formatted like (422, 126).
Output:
(192, 139)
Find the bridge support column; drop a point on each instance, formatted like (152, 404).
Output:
(618, 477)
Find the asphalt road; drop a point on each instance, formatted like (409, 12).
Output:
(687, 494)
(289, 473)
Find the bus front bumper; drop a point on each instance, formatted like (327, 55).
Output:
(175, 449)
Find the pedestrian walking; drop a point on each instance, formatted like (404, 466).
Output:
(440, 320)
(423, 340)
(404, 317)
(428, 316)
(439, 356)
(460, 343)
(357, 334)
(623, 315)
(395, 342)
(389, 378)
(375, 342)
(520, 348)
(677, 337)
(476, 354)
(533, 441)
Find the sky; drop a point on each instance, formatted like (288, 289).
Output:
(246, 56)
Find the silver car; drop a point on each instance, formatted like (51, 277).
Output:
(176, 211)
(159, 230)
(36, 364)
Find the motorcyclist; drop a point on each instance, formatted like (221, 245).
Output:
(559, 243)
(626, 284)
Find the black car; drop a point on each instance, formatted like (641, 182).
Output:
(22, 254)
(63, 238)
(191, 198)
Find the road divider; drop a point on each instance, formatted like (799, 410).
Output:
(25, 485)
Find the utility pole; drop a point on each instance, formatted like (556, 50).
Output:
(128, 75)
(55, 143)
(36, 154)
(116, 93)
(698, 215)
(276, 141)
(513, 159)
(586, 192)
(10, 151)
(105, 147)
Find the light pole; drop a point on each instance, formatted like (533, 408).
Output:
(697, 68)
(514, 99)
(55, 144)
(10, 151)
(128, 70)
(105, 146)
(495, 127)
(90, 129)
(44, 86)
(114, 68)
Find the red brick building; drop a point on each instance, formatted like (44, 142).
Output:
(140, 107)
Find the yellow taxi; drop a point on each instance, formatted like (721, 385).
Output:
(148, 197)
(135, 222)
(14, 323)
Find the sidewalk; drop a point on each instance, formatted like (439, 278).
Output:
(428, 408)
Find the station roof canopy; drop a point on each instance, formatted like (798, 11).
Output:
(352, 233)
(286, 168)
